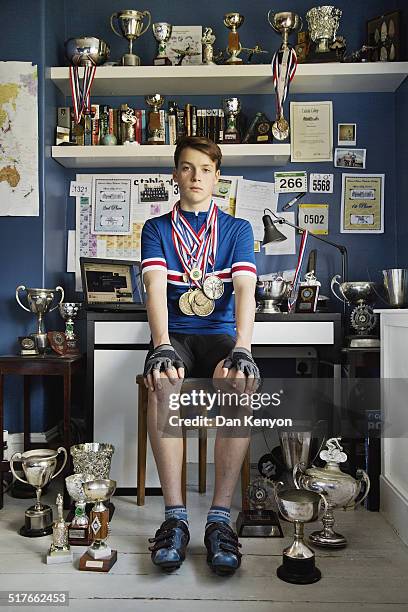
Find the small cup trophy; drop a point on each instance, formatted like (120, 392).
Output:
(99, 557)
(162, 33)
(60, 551)
(285, 23)
(131, 27)
(78, 530)
(232, 107)
(207, 40)
(323, 23)
(299, 506)
(340, 488)
(274, 293)
(93, 458)
(39, 301)
(39, 467)
(233, 21)
(259, 522)
(69, 311)
(156, 133)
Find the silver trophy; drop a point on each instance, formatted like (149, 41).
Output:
(162, 32)
(396, 286)
(340, 488)
(92, 458)
(86, 51)
(232, 108)
(285, 23)
(39, 469)
(78, 530)
(295, 447)
(323, 23)
(131, 27)
(233, 21)
(299, 506)
(39, 301)
(69, 311)
(274, 292)
(60, 551)
(156, 132)
(207, 40)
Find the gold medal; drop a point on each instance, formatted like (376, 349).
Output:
(213, 287)
(195, 274)
(200, 304)
(184, 303)
(185, 277)
(280, 129)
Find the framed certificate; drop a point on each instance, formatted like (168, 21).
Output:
(312, 131)
(362, 204)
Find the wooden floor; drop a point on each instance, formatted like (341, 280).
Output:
(371, 574)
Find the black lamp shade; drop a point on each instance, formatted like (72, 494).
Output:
(271, 233)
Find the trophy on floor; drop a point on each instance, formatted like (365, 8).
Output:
(39, 301)
(93, 458)
(162, 33)
(323, 23)
(259, 522)
(131, 27)
(156, 131)
(39, 469)
(99, 557)
(233, 21)
(232, 108)
(341, 490)
(69, 311)
(60, 551)
(295, 448)
(78, 530)
(299, 506)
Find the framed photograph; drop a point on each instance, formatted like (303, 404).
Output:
(347, 134)
(362, 204)
(184, 46)
(383, 33)
(350, 158)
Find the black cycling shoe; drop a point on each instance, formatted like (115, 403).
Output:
(222, 546)
(170, 543)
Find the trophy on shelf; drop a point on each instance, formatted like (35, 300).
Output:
(39, 467)
(162, 33)
(232, 107)
(340, 488)
(78, 530)
(207, 41)
(131, 27)
(156, 131)
(39, 301)
(60, 551)
(299, 506)
(86, 51)
(285, 23)
(99, 557)
(323, 23)
(69, 311)
(128, 123)
(233, 21)
(259, 522)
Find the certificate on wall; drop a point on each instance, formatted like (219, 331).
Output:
(312, 131)
(362, 204)
(112, 206)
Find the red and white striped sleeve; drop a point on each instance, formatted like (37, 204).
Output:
(152, 251)
(243, 261)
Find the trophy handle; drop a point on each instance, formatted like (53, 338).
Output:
(301, 23)
(276, 485)
(13, 458)
(62, 297)
(112, 26)
(335, 281)
(297, 472)
(269, 19)
(362, 475)
(325, 502)
(18, 299)
(62, 449)
(146, 13)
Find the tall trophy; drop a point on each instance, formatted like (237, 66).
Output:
(39, 301)
(131, 27)
(69, 311)
(323, 23)
(162, 33)
(78, 530)
(60, 551)
(299, 506)
(156, 132)
(207, 40)
(340, 488)
(232, 108)
(233, 21)
(39, 469)
(259, 522)
(99, 557)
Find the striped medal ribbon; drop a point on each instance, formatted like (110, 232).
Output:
(81, 93)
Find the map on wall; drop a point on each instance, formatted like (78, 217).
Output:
(18, 140)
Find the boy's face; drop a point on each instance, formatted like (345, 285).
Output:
(196, 176)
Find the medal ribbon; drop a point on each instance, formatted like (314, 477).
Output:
(283, 73)
(81, 94)
(292, 297)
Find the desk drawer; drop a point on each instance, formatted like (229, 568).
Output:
(122, 332)
(293, 332)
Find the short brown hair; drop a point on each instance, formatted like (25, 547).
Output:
(200, 143)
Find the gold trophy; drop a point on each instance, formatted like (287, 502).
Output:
(233, 21)
(156, 133)
(60, 551)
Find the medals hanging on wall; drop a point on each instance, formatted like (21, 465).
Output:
(283, 72)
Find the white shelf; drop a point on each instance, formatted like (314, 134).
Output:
(161, 156)
(236, 80)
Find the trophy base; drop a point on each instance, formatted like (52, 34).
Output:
(162, 61)
(360, 341)
(59, 556)
(79, 536)
(332, 540)
(89, 564)
(130, 59)
(38, 523)
(231, 139)
(322, 58)
(255, 524)
(298, 571)
(35, 533)
(234, 60)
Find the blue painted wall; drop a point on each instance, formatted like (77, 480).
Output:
(402, 164)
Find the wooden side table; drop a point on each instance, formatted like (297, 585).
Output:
(41, 365)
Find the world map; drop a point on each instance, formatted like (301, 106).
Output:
(18, 139)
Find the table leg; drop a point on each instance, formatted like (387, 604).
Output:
(67, 432)
(27, 413)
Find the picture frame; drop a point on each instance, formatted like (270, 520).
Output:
(185, 38)
(362, 204)
(347, 134)
(350, 158)
(383, 33)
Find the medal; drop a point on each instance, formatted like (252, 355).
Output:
(195, 274)
(283, 73)
(280, 129)
(185, 277)
(184, 303)
(213, 287)
(201, 305)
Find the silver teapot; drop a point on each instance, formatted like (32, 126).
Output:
(341, 490)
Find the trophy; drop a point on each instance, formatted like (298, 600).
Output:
(295, 447)
(285, 23)
(362, 295)
(273, 293)
(128, 122)
(156, 132)
(232, 107)
(233, 21)
(93, 458)
(39, 301)
(395, 282)
(341, 490)
(162, 33)
(99, 557)
(323, 22)
(259, 522)
(69, 311)
(131, 27)
(39, 467)
(86, 51)
(299, 506)
(60, 551)
(78, 530)
(207, 41)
